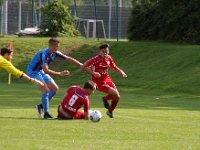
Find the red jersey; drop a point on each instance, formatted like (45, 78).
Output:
(74, 99)
(101, 66)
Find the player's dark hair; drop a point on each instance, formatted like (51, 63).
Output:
(104, 46)
(53, 40)
(5, 51)
(89, 85)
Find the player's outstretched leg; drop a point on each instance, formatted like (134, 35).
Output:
(45, 104)
(115, 99)
(112, 107)
(53, 88)
(51, 94)
(47, 116)
(39, 109)
(110, 114)
(105, 103)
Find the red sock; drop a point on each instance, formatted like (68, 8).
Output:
(113, 105)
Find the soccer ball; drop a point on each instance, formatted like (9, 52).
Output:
(95, 115)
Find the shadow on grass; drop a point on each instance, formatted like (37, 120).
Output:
(23, 96)
(20, 118)
(128, 101)
(28, 118)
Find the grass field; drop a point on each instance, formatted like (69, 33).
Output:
(159, 107)
(142, 122)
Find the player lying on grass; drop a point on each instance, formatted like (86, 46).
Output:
(75, 98)
(38, 68)
(5, 57)
(98, 67)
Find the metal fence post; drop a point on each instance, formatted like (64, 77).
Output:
(33, 13)
(40, 14)
(6, 17)
(75, 9)
(95, 13)
(119, 18)
(109, 18)
(117, 14)
(20, 15)
(2, 20)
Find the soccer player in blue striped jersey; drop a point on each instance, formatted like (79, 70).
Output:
(38, 68)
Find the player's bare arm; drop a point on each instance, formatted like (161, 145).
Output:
(55, 73)
(32, 80)
(120, 71)
(73, 61)
(88, 69)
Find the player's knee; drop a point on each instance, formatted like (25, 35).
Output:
(117, 97)
(45, 90)
(57, 89)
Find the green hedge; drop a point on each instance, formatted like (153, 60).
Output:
(171, 20)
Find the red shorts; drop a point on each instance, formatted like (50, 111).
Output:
(65, 116)
(106, 86)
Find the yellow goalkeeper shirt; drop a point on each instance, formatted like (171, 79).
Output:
(5, 64)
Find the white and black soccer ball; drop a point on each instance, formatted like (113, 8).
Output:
(95, 115)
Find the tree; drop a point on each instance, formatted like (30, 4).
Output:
(57, 20)
(171, 20)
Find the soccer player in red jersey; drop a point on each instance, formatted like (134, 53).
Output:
(74, 99)
(98, 67)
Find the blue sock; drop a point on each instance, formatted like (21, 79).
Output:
(45, 101)
(51, 94)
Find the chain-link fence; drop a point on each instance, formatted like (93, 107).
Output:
(96, 18)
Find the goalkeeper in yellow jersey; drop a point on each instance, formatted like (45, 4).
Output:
(5, 57)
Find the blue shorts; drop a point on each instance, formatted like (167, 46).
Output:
(41, 76)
